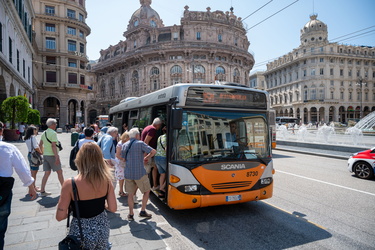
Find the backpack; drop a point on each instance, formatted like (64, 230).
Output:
(73, 155)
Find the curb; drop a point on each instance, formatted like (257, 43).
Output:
(313, 153)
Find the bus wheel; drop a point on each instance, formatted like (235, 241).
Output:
(363, 170)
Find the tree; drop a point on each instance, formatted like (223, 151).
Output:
(15, 109)
(33, 117)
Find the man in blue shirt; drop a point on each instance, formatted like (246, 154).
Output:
(106, 143)
(133, 151)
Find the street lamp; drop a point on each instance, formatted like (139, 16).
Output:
(361, 82)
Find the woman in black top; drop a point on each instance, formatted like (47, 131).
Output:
(95, 194)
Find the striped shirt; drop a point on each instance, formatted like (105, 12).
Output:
(134, 160)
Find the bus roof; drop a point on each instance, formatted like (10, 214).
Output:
(164, 95)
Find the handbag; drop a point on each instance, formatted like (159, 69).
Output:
(36, 157)
(70, 241)
(58, 144)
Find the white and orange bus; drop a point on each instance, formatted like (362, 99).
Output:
(218, 141)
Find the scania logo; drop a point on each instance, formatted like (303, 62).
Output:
(232, 166)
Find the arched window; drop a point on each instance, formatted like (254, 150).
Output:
(176, 74)
(199, 75)
(236, 76)
(135, 81)
(305, 91)
(220, 70)
(154, 78)
(155, 71)
(220, 74)
(176, 70)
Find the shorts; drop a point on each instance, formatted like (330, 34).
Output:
(49, 163)
(149, 165)
(161, 164)
(32, 166)
(143, 184)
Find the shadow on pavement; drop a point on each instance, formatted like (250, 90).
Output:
(252, 225)
(48, 202)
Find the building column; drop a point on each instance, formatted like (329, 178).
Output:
(308, 115)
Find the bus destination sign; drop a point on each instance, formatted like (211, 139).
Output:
(226, 97)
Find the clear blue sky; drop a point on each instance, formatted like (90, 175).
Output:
(274, 37)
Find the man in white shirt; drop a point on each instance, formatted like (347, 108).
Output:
(89, 132)
(11, 158)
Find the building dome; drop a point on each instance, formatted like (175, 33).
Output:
(145, 16)
(314, 31)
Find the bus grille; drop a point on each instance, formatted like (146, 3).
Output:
(228, 185)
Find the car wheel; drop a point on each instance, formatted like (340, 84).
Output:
(363, 170)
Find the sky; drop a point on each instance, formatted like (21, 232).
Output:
(278, 34)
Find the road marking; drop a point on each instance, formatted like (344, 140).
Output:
(324, 182)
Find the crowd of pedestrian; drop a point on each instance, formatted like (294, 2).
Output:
(103, 159)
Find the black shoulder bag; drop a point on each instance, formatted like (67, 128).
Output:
(70, 241)
(58, 144)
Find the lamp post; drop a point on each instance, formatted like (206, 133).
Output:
(361, 82)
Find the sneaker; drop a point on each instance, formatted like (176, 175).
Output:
(144, 214)
(130, 217)
(45, 193)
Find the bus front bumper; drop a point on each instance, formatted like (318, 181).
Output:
(178, 200)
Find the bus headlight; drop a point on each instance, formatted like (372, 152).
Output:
(191, 188)
(266, 181)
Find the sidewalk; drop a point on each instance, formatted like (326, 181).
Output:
(32, 224)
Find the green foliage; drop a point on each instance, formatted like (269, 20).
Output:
(15, 109)
(33, 117)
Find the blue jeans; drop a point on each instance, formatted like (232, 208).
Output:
(4, 214)
(161, 164)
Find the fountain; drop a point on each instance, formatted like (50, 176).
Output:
(325, 133)
(356, 135)
(302, 133)
(367, 124)
(283, 131)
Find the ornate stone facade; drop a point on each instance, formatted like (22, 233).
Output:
(206, 47)
(16, 50)
(60, 62)
(322, 81)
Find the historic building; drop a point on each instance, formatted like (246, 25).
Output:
(322, 81)
(16, 49)
(207, 46)
(257, 80)
(60, 62)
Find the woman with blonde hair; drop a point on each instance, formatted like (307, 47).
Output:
(120, 163)
(95, 194)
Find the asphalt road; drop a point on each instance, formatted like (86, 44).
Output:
(317, 204)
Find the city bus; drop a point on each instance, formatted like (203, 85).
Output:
(218, 142)
(103, 120)
(286, 120)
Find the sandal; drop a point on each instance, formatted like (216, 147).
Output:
(161, 194)
(122, 194)
(130, 217)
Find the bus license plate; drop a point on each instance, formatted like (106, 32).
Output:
(233, 198)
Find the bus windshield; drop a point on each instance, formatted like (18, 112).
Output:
(219, 136)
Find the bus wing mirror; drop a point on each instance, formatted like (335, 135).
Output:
(177, 118)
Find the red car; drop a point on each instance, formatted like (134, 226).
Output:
(362, 164)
